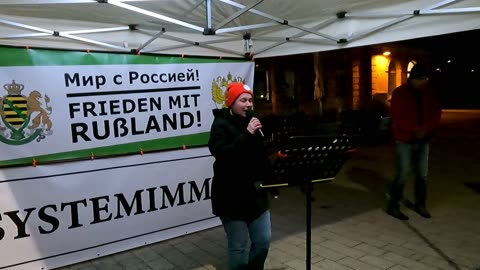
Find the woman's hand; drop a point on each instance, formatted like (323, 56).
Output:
(254, 125)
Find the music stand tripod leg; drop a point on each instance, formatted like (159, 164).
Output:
(308, 197)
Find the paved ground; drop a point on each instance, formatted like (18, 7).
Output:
(349, 228)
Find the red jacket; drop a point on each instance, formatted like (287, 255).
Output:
(405, 113)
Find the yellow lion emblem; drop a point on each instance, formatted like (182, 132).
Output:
(219, 86)
(34, 105)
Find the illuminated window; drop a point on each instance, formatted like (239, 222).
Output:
(410, 66)
(261, 86)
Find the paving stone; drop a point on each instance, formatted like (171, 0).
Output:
(421, 248)
(398, 267)
(357, 264)
(279, 255)
(300, 264)
(377, 261)
(295, 251)
(440, 263)
(417, 256)
(130, 259)
(137, 267)
(391, 239)
(188, 247)
(340, 239)
(331, 265)
(405, 252)
(108, 266)
(145, 254)
(179, 259)
(369, 249)
(406, 262)
(316, 258)
(271, 264)
(468, 262)
(327, 253)
(343, 249)
(160, 264)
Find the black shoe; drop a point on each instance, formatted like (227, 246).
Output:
(422, 211)
(396, 213)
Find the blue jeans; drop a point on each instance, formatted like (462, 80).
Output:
(410, 157)
(240, 256)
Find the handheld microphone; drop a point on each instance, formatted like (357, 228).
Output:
(250, 115)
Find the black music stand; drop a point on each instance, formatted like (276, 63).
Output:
(307, 160)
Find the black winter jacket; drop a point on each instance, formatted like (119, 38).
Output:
(240, 163)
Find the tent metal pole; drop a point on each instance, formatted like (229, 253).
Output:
(98, 30)
(280, 21)
(166, 48)
(187, 45)
(270, 47)
(24, 35)
(443, 3)
(422, 12)
(386, 15)
(254, 11)
(90, 41)
(37, 2)
(195, 6)
(312, 41)
(150, 40)
(238, 13)
(24, 26)
(220, 40)
(199, 45)
(316, 27)
(62, 34)
(377, 14)
(202, 45)
(221, 49)
(314, 32)
(155, 15)
(379, 28)
(450, 11)
(245, 27)
(208, 10)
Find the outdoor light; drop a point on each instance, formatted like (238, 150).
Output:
(386, 53)
(247, 43)
(449, 61)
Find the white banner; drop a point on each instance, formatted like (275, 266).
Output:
(60, 214)
(99, 139)
(70, 108)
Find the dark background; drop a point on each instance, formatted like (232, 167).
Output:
(457, 81)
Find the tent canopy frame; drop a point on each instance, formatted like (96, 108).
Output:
(178, 34)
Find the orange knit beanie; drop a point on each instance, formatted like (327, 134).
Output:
(234, 90)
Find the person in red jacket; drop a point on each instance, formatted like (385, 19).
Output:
(415, 113)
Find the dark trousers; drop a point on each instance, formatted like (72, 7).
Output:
(410, 157)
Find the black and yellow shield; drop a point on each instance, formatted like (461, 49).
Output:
(15, 110)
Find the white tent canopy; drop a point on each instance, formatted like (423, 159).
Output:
(227, 28)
